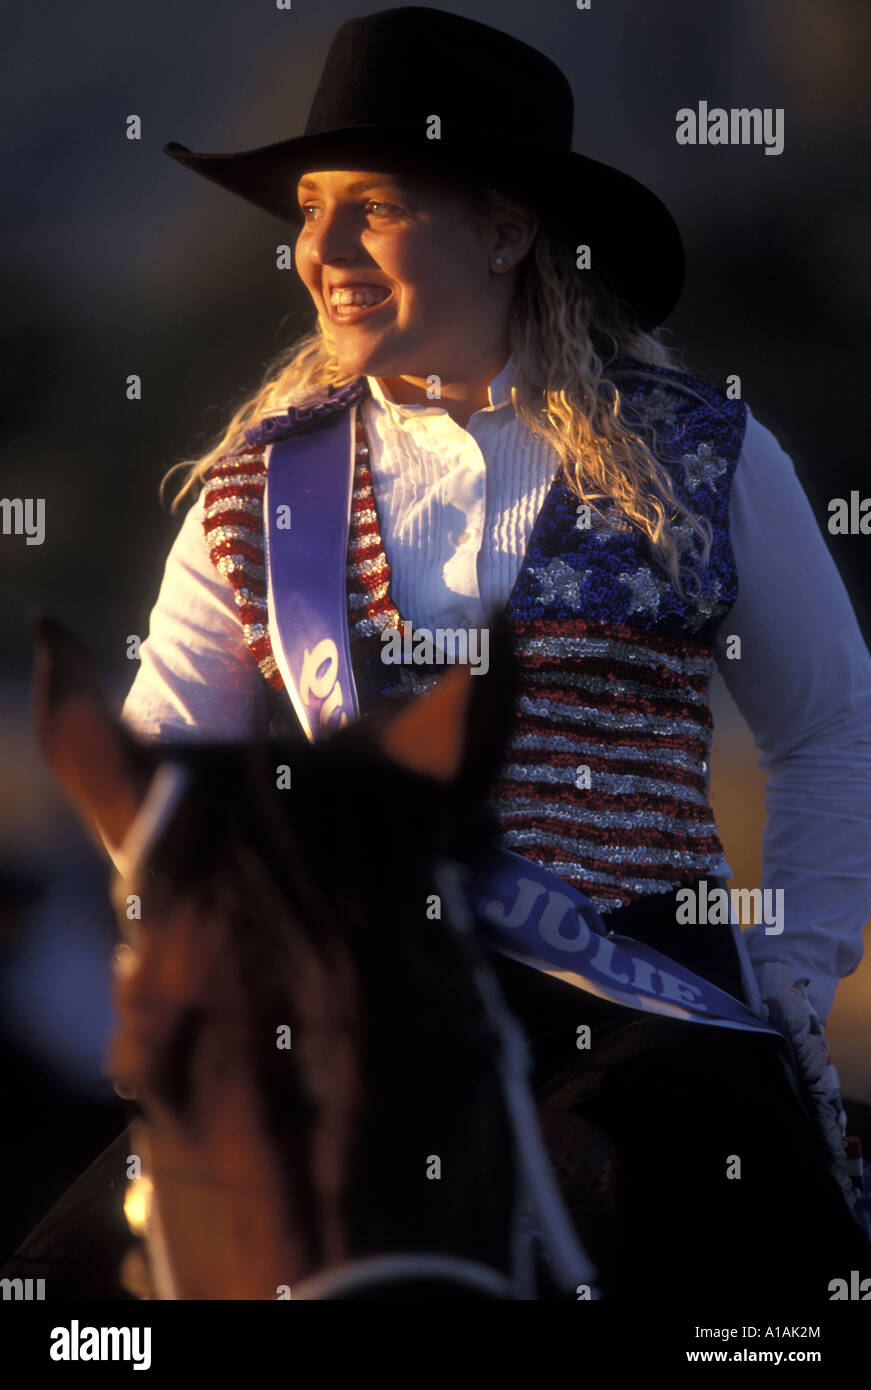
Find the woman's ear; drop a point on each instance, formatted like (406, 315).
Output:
(100, 766)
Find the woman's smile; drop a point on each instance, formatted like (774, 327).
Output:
(350, 303)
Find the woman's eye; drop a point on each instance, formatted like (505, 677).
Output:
(374, 205)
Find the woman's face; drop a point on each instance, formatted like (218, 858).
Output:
(444, 311)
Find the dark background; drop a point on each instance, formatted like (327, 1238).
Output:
(115, 260)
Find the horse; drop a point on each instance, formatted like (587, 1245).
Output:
(332, 1096)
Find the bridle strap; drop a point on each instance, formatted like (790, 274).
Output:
(165, 790)
(541, 1220)
(359, 1275)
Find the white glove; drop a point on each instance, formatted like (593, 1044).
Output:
(786, 1007)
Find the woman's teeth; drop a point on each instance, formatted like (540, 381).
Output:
(361, 298)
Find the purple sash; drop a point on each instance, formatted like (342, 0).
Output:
(531, 913)
(306, 511)
(538, 917)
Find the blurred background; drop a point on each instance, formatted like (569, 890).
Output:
(115, 260)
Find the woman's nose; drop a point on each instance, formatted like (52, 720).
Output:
(333, 237)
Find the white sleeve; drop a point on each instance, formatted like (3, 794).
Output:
(803, 684)
(197, 678)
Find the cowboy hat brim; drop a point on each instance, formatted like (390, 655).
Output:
(635, 245)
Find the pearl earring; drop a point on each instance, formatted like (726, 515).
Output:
(500, 260)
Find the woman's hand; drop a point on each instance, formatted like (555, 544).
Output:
(786, 1006)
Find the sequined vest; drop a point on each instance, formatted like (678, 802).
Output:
(606, 777)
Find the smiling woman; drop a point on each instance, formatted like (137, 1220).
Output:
(484, 419)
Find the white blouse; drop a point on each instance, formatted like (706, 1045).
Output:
(456, 507)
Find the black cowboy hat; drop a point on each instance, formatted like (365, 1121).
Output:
(506, 112)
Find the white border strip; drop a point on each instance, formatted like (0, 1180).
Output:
(358, 1275)
(165, 790)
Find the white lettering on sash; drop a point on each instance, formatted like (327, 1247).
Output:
(603, 959)
(331, 703)
(528, 892)
(558, 908)
(679, 991)
(643, 974)
(324, 687)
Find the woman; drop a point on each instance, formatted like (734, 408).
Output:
(523, 441)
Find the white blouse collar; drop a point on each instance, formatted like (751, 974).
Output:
(498, 391)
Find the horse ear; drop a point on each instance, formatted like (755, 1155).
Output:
(458, 732)
(428, 735)
(100, 766)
